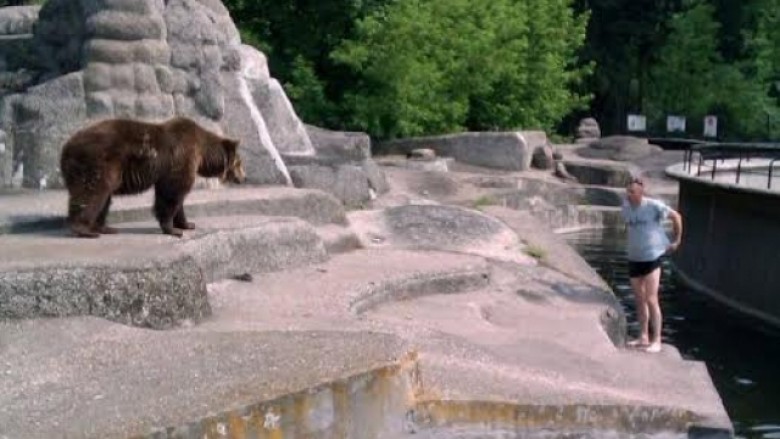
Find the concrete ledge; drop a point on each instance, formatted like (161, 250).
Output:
(151, 281)
(516, 420)
(27, 210)
(507, 150)
(158, 294)
(87, 378)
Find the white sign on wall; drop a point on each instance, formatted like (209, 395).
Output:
(675, 124)
(637, 122)
(710, 126)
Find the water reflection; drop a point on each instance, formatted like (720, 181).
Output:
(742, 356)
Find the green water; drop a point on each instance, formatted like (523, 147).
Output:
(742, 356)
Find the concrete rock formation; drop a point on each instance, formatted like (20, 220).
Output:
(543, 157)
(422, 154)
(588, 129)
(510, 151)
(88, 60)
(619, 148)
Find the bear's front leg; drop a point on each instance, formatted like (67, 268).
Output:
(180, 220)
(100, 223)
(82, 213)
(166, 203)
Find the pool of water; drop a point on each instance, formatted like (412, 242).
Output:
(742, 356)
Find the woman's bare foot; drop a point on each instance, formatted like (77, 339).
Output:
(638, 343)
(654, 348)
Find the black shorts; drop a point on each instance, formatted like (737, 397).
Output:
(643, 268)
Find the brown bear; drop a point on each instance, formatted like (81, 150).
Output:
(123, 157)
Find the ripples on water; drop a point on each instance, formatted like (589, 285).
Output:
(743, 357)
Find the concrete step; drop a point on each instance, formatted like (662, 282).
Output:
(27, 210)
(141, 277)
(338, 239)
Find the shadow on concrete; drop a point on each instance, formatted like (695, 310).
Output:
(24, 224)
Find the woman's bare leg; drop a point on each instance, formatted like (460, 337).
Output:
(638, 286)
(652, 282)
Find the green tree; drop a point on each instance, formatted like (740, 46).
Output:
(682, 80)
(298, 36)
(624, 38)
(692, 78)
(435, 66)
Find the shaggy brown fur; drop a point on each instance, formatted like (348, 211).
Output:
(122, 157)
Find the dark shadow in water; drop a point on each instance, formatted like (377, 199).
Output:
(742, 355)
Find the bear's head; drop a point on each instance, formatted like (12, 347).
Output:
(234, 168)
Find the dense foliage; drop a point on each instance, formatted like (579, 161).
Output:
(685, 57)
(408, 67)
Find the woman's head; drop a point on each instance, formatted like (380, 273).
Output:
(635, 190)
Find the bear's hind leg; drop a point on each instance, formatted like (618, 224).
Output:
(100, 223)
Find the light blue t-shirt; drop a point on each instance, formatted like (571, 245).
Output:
(647, 239)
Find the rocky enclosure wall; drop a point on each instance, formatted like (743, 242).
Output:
(141, 59)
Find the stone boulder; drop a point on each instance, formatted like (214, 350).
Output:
(438, 227)
(422, 154)
(619, 148)
(16, 48)
(347, 182)
(341, 165)
(18, 20)
(347, 145)
(588, 129)
(543, 158)
(509, 151)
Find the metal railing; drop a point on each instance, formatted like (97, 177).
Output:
(715, 153)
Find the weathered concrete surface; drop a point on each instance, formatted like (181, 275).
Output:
(30, 210)
(533, 335)
(88, 378)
